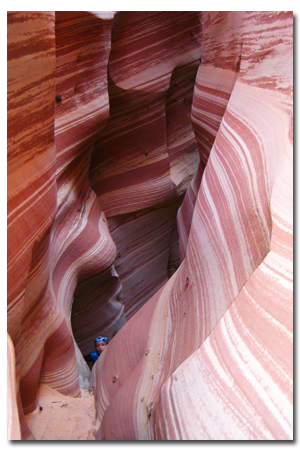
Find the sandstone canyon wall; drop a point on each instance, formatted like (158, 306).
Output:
(154, 200)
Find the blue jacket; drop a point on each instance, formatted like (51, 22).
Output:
(94, 356)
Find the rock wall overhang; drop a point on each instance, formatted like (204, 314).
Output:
(214, 359)
(92, 231)
(94, 184)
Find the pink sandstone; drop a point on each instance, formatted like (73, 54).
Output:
(145, 134)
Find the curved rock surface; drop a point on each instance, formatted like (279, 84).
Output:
(158, 111)
(58, 234)
(214, 360)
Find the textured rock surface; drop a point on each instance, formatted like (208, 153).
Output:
(140, 183)
(58, 234)
(31, 197)
(62, 280)
(94, 185)
(214, 360)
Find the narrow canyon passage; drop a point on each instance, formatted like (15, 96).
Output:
(150, 200)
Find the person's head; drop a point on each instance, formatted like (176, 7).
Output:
(100, 344)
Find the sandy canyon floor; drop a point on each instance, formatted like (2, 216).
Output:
(62, 417)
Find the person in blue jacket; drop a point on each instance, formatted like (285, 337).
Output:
(100, 344)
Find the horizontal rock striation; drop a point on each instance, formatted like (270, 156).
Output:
(31, 196)
(150, 194)
(69, 103)
(141, 98)
(141, 183)
(57, 230)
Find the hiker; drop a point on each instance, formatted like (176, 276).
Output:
(100, 344)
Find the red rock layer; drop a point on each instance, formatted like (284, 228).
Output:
(155, 154)
(209, 355)
(61, 252)
(150, 133)
(144, 242)
(31, 194)
(82, 51)
(80, 242)
(220, 65)
(57, 232)
(214, 357)
(137, 174)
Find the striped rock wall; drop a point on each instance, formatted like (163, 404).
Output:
(86, 251)
(140, 185)
(31, 198)
(58, 234)
(214, 84)
(209, 356)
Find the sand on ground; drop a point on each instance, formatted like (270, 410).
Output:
(59, 417)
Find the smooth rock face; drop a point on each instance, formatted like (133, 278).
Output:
(58, 233)
(13, 425)
(215, 359)
(157, 111)
(32, 313)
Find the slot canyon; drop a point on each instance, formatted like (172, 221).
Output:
(150, 201)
